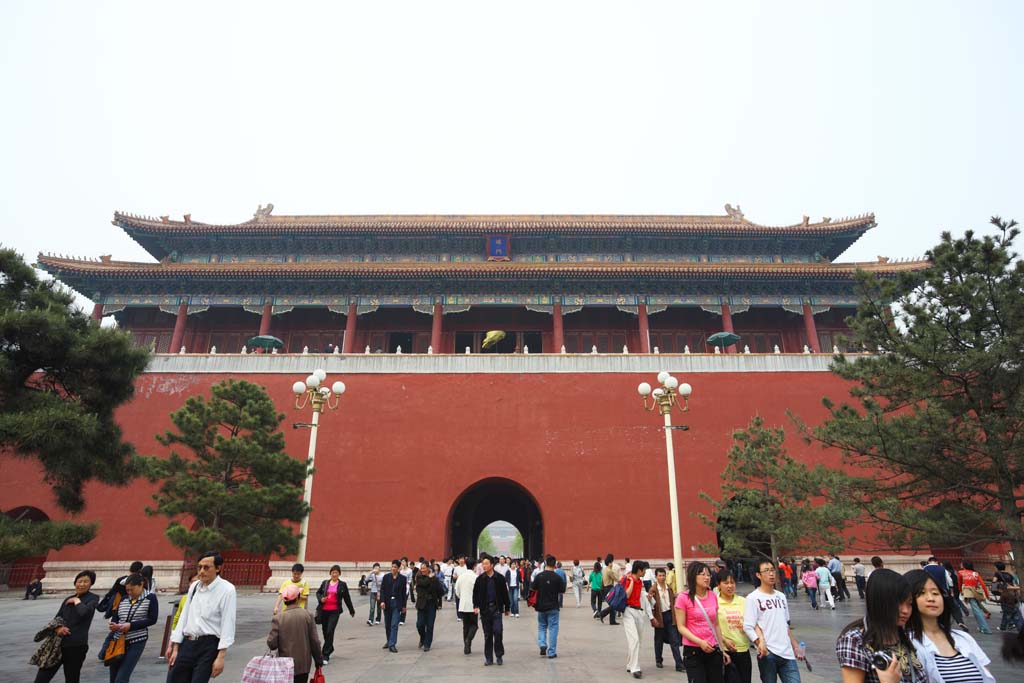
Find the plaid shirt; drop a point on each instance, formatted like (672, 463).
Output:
(852, 652)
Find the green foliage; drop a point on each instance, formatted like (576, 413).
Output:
(771, 504)
(61, 378)
(516, 549)
(238, 484)
(23, 538)
(485, 543)
(938, 412)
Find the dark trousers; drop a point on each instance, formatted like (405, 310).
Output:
(425, 624)
(392, 617)
(328, 624)
(740, 669)
(595, 600)
(702, 667)
(839, 590)
(34, 590)
(468, 627)
(71, 658)
(669, 635)
(195, 660)
(490, 620)
(608, 611)
(861, 584)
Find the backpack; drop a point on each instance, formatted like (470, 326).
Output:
(617, 598)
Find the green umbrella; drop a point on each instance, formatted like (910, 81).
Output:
(723, 339)
(265, 341)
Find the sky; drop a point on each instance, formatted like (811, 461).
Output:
(910, 110)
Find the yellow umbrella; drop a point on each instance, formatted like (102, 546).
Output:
(492, 338)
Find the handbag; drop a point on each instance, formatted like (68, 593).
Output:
(114, 653)
(531, 599)
(318, 676)
(269, 669)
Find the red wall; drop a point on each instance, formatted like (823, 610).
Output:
(401, 449)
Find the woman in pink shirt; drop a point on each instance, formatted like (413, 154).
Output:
(697, 621)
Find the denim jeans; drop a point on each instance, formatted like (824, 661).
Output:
(1011, 618)
(979, 614)
(547, 631)
(122, 673)
(774, 667)
(513, 597)
(813, 593)
(392, 616)
(425, 624)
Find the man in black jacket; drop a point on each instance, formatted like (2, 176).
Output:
(490, 601)
(394, 592)
(550, 587)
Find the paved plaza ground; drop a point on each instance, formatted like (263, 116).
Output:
(587, 650)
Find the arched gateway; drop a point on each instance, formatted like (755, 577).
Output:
(489, 500)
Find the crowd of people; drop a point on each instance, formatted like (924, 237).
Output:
(912, 631)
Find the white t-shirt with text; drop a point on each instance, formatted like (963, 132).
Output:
(771, 613)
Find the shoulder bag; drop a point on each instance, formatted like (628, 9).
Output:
(114, 653)
(718, 646)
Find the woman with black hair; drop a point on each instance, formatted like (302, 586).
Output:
(697, 621)
(76, 612)
(877, 649)
(147, 574)
(332, 596)
(953, 602)
(947, 655)
(975, 592)
(135, 614)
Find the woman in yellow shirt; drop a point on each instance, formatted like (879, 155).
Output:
(730, 623)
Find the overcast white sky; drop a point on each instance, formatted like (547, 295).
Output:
(908, 109)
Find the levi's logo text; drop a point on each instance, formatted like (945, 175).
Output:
(765, 604)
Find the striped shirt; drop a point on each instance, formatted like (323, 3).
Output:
(957, 669)
(141, 614)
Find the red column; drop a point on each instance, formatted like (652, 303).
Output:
(812, 329)
(97, 312)
(557, 333)
(179, 328)
(268, 310)
(435, 328)
(350, 330)
(645, 333)
(727, 325)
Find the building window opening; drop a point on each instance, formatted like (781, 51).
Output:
(403, 339)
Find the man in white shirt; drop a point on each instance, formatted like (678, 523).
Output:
(768, 609)
(206, 627)
(502, 566)
(860, 576)
(464, 601)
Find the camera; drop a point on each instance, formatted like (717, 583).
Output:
(881, 660)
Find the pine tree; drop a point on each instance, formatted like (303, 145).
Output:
(770, 503)
(516, 548)
(237, 483)
(938, 420)
(61, 378)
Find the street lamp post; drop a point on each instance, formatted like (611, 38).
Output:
(664, 398)
(318, 397)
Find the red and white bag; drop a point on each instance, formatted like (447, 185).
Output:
(269, 669)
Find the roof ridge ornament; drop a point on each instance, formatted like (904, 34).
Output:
(736, 214)
(263, 212)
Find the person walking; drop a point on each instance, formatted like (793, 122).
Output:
(946, 654)
(634, 618)
(429, 593)
(330, 596)
(77, 612)
(293, 634)
(206, 628)
(974, 590)
(809, 578)
(550, 587)
(1007, 587)
(696, 613)
(373, 580)
(825, 582)
(608, 580)
(954, 590)
(835, 567)
(565, 581)
(859, 576)
(579, 579)
(490, 601)
(135, 614)
(113, 597)
(595, 588)
(889, 604)
(766, 623)
(663, 597)
(394, 592)
(297, 571)
(514, 582)
(731, 609)
(464, 603)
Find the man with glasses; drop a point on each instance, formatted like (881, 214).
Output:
(206, 627)
(767, 613)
